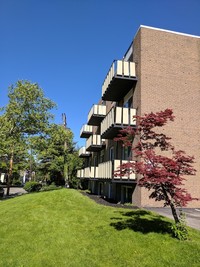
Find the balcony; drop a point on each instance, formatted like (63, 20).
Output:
(83, 153)
(86, 131)
(119, 80)
(96, 114)
(94, 143)
(88, 173)
(106, 170)
(117, 119)
(80, 173)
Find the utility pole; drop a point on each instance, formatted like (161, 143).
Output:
(64, 119)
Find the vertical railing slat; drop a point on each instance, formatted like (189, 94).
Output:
(118, 112)
(119, 68)
(132, 69)
(125, 116)
(126, 68)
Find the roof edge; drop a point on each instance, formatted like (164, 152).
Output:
(174, 32)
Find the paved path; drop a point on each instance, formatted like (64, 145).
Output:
(192, 215)
(14, 191)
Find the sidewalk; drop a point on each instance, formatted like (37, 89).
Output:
(14, 191)
(192, 215)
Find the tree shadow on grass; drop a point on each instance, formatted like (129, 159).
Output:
(142, 221)
(5, 197)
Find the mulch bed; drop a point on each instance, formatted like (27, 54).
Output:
(107, 202)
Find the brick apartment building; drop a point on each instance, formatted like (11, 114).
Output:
(160, 70)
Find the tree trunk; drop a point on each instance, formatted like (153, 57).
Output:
(174, 213)
(173, 209)
(10, 173)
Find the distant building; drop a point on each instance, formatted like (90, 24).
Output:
(160, 70)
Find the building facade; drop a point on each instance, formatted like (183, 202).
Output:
(160, 70)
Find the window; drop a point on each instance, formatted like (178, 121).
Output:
(95, 161)
(126, 194)
(111, 154)
(102, 156)
(126, 153)
(128, 100)
(128, 103)
(100, 189)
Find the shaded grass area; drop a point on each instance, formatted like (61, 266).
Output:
(142, 221)
(65, 228)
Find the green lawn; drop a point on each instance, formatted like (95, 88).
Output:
(64, 228)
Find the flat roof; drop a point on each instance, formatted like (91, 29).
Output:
(158, 29)
(130, 50)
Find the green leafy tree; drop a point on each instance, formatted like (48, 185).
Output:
(56, 155)
(11, 162)
(26, 114)
(73, 163)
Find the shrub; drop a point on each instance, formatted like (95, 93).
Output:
(179, 229)
(50, 187)
(32, 187)
(16, 182)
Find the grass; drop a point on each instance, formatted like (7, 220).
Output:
(64, 228)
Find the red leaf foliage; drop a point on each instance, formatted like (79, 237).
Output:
(163, 175)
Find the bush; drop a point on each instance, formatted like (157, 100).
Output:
(32, 187)
(16, 183)
(50, 187)
(180, 229)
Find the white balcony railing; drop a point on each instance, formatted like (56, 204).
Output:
(106, 170)
(86, 131)
(96, 114)
(118, 117)
(89, 172)
(83, 153)
(119, 68)
(80, 173)
(94, 141)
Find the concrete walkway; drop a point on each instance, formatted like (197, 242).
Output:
(192, 215)
(14, 191)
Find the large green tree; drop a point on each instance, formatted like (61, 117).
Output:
(56, 155)
(27, 113)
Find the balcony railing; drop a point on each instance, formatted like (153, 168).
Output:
(94, 143)
(88, 173)
(106, 170)
(80, 173)
(86, 131)
(117, 119)
(96, 114)
(83, 153)
(119, 80)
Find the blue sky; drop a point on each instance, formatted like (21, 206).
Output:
(67, 46)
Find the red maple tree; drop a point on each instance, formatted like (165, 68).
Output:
(160, 166)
